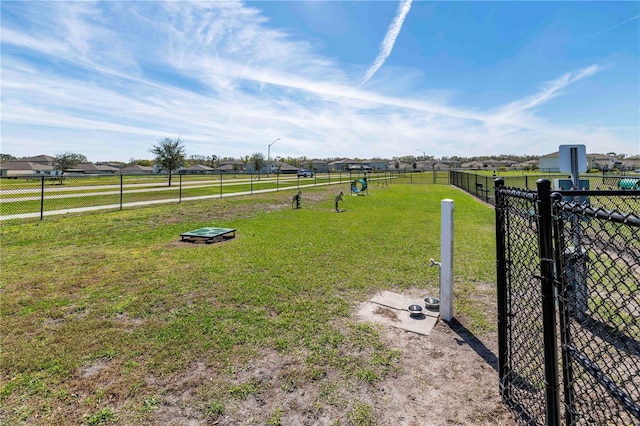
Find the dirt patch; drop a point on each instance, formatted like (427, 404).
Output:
(387, 313)
(448, 377)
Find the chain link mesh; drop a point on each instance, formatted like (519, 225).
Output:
(28, 198)
(524, 382)
(596, 251)
(599, 290)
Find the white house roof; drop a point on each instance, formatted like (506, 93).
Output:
(199, 167)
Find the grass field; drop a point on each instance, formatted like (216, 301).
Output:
(98, 311)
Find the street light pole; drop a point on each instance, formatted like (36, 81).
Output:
(424, 155)
(269, 156)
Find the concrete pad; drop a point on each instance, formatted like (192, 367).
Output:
(390, 308)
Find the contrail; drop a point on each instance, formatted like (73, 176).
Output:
(549, 91)
(389, 40)
(615, 26)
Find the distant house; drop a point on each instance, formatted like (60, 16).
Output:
(400, 166)
(17, 168)
(441, 166)
(107, 169)
(551, 162)
(425, 164)
(136, 169)
(318, 166)
(357, 167)
(196, 169)
(276, 167)
(451, 164)
(341, 165)
(45, 160)
(376, 164)
(229, 167)
(92, 169)
(284, 168)
(475, 165)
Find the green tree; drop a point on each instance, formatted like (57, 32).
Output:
(169, 154)
(257, 160)
(212, 161)
(7, 157)
(67, 160)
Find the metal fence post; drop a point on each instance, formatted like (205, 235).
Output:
(545, 243)
(42, 197)
(563, 309)
(180, 189)
(501, 281)
(121, 191)
(221, 183)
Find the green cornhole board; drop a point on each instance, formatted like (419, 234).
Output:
(208, 235)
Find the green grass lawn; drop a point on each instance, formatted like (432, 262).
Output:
(119, 294)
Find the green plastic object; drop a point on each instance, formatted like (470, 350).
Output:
(629, 183)
(208, 235)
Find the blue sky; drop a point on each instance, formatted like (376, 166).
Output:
(330, 79)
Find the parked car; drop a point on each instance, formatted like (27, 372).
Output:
(305, 173)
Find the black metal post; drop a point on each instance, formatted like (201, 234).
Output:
(180, 189)
(221, 184)
(121, 191)
(251, 183)
(545, 243)
(486, 186)
(476, 176)
(42, 197)
(501, 281)
(277, 181)
(565, 314)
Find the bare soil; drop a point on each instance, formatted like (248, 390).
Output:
(446, 378)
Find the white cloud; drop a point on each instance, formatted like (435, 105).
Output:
(220, 76)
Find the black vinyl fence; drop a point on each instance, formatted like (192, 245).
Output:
(568, 275)
(482, 185)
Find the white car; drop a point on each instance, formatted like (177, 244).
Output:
(305, 173)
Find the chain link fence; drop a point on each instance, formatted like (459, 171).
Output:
(598, 240)
(568, 270)
(482, 185)
(29, 198)
(520, 311)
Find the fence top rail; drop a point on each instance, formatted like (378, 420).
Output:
(610, 192)
(518, 193)
(631, 219)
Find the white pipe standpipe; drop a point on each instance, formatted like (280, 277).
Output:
(446, 259)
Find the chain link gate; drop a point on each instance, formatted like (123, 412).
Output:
(568, 276)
